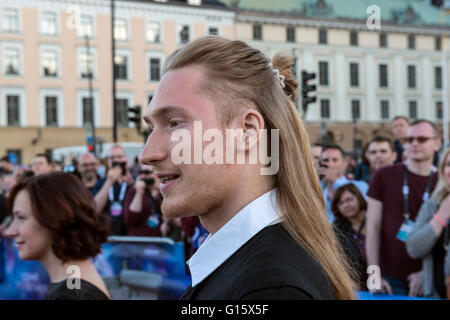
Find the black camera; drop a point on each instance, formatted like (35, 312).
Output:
(148, 181)
(123, 165)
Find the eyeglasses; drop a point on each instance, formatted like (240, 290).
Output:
(348, 200)
(93, 164)
(420, 139)
(145, 171)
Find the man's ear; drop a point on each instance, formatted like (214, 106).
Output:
(252, 123)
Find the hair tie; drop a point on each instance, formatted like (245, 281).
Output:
(279, 76)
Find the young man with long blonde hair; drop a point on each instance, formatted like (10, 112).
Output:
(269, 234)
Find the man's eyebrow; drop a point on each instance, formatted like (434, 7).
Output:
(163, 111)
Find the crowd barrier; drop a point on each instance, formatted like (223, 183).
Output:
(132, 268)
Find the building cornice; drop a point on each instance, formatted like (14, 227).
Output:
(347, 24)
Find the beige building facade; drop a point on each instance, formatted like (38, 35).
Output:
(364, 77)
(44, 96)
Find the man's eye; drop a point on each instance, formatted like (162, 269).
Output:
(173, 123)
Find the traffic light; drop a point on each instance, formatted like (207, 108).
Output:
(134, 115)
(306, 88)
(90, 143)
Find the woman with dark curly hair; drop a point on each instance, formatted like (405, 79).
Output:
(54, 221)
(349, 208)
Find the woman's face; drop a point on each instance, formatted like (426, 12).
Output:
(33, 241)
(447, 169)
(348, 204)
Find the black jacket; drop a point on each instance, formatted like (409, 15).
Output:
(271, 265)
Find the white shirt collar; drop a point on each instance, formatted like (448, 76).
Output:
(216, 249)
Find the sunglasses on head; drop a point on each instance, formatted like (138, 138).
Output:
(145, 171)
(419, 139)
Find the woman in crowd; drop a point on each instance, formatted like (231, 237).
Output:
(54, 222)
(429, 236)
(349, 208)
(142, 212)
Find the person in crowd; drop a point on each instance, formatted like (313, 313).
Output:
(269, 234)
(6, 165)
(362, 170)
(447, 272)
(349, 208)
(429, 237)
(59, 227)
(316, 151)
(56, 166)
(395, 196)
(135, 168)
(333, 160)
(110, 198)
(171, 228)
(87, 167)
(142, 205)
(352, 161)
(380, 153)
(400, 125)
(41, 164)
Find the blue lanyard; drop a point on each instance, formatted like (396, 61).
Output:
(123, 188)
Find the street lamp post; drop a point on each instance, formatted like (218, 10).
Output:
(91, 126)
(113, 42)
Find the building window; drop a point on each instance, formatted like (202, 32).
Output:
(411, 41)
(86, 63)
(411, 77)
(412, 109)
(213, 31)
(11, 58)
(290, 34)
(354, 74)
(183, 34)
(48, 23)
(120, 29)
(49, 63)
(10, 20)
(353, 38)
(384, 109)
(122, 112)
(257, 32)
(383, 71)
(356, 109)
(13, 111)
(439, 110)
(87, 104)
(438, 78)
(155, 69)
(121, 67)
(86, 27)
(51, 111)
(149, 98)
(325, 108)
(437, 43)
(153, 32)
(383, 40)
(323, 73)
(323, 36)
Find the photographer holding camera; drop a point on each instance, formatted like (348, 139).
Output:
(110, 198)
(142, 213)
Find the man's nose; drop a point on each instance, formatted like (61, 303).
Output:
(155, 149)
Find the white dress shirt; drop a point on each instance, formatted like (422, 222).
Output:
(216, 249)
